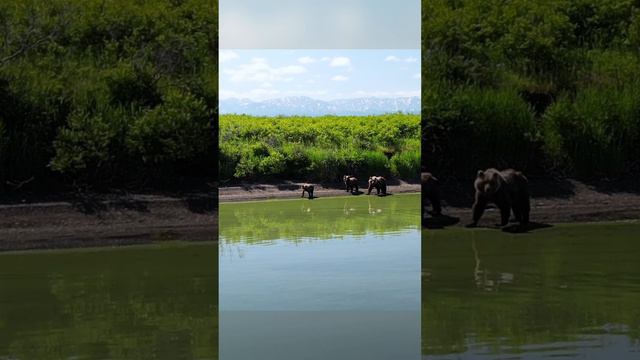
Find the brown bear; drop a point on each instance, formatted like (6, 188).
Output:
(309, 189)
(380, 183)
(508, 189)
(351, 183)
(431, 192)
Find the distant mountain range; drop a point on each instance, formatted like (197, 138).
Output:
(306, 106)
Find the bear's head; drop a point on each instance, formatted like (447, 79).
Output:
(488, 182)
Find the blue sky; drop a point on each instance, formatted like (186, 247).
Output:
(319, 74)
(320, 24)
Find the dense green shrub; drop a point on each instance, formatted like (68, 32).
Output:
(541, 86)
(86, 146)
(176, 130)
(478, 128)
(406, 164)
(317, 148)
(594, 134)
(107, 91)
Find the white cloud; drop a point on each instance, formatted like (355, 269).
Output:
(264, 94)
(259, 70)
(255, 94)
(340, 61)
(227, 55)
(339, 78)
(393, 58)
(390, 94)
(306, 60)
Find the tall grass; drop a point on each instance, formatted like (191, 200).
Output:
(476, 128)
(596, 134)
(541, 86)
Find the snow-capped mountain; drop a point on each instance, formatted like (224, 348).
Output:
(305, 106)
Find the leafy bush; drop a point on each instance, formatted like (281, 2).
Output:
(533, 85)
(474, 128)
(176, 130)
(595, 134)
(90, 88)
(313, 148)
(85, 146)
(406, 164)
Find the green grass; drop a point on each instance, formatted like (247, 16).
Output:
(319, 148)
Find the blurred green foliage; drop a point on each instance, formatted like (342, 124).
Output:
(319, 148)
(107, 92)
(543, 86)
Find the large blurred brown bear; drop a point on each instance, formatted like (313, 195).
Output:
(351, 183)
(508, 189)
(431, 192)
(378, 182)
(309, 189)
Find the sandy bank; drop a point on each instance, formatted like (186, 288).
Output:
(111, 221)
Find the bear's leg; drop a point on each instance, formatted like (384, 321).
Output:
(517, 211)
(311, 194)
(357, 188)
(369, 189)
(478, 209)
(526, 208)
(302, 193)
(435, 204)
(505, 211)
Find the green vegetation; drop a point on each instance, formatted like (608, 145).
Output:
(319, 148)
(549, 86)
(521, 294)
(107, 93)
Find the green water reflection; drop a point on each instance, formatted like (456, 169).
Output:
(147, 302)
(565, 291)
(322, 218)
(330, 278)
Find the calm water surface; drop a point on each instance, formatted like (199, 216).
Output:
(329, 278)
(139, 302)
(566, 292)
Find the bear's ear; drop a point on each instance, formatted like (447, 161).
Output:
(480, 173)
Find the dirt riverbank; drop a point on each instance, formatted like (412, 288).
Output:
(108, 220)
(247, 192)
(552, 201)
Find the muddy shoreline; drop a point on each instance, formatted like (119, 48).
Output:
(116, 220)
(108, 221)
(552, 201)
(292, 190)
